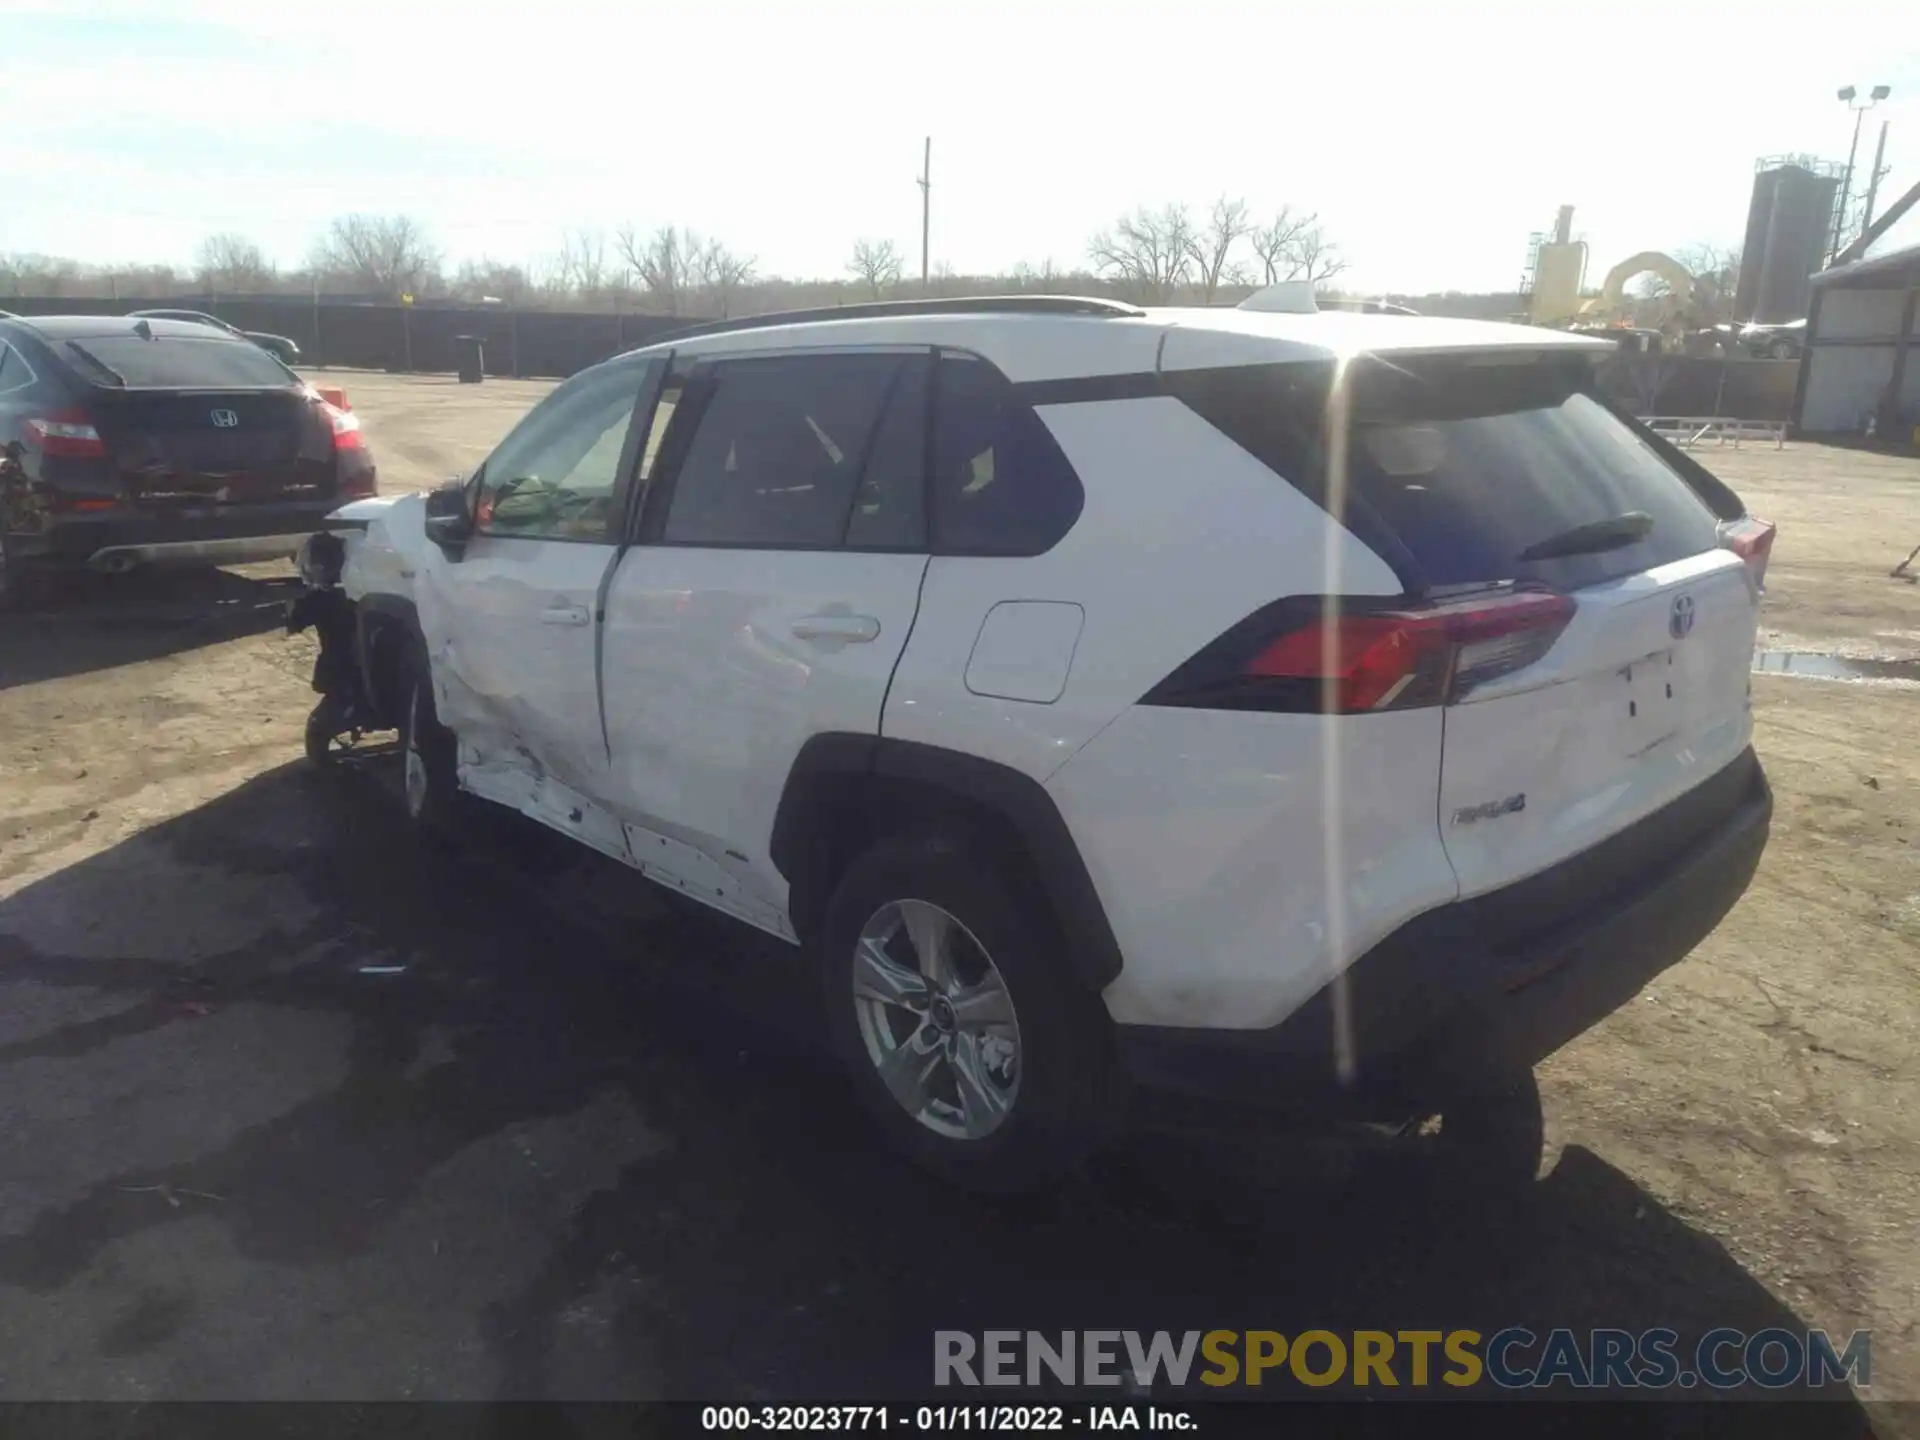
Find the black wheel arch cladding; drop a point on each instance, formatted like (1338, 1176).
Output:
(832, 770)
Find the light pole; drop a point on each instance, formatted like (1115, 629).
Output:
(926, 209)
(1851, 97)
(1873, 179)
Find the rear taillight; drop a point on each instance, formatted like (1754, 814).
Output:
(346, 428)
(358, 479)
(65, 432)
(1752, 541)
(1342, 660)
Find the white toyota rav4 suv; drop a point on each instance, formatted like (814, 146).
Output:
(1336, 712)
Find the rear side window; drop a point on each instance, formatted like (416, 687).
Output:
(170, 362)
(779, 450)
(1466, 465)
(1000, 484)
(15, 373)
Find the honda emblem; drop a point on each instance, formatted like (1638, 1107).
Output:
(224, 419)
(1680, 623)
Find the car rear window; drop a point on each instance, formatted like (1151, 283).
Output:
(170, 362)
(1464, 463)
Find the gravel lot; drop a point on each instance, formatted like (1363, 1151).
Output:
(548, 1159)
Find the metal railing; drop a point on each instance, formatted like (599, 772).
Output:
(1688, 431)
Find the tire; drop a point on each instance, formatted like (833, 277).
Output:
(22, 583)
(430, 784)
(996, 1107)
(1781, 350)
(1491, 1143)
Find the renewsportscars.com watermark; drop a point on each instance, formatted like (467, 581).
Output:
(1515, 1358)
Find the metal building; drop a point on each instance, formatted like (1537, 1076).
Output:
(1788, 221)
(1860, 373)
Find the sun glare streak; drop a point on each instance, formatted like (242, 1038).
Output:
(1332, 813)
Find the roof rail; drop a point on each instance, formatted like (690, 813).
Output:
(885, 309)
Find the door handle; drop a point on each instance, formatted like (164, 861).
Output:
(850, 629)
(564, 615)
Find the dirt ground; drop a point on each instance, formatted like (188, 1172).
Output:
(289, 1108)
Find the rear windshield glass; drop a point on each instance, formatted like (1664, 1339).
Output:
(1467, 465)
(170, 362)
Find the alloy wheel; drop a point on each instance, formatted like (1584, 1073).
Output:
(937, 1019)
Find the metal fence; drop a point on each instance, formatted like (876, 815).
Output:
(1688, 431)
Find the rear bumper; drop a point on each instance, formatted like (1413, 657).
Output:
(1474, 989)
(237, 550)
(232, 537)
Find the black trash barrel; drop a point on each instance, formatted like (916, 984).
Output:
(472, 358)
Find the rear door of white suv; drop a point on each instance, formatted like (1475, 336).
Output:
(774, 581)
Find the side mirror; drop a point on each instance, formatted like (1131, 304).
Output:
(449, 521)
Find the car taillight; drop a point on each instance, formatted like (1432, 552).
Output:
(1752, 541)
(64, 432)
(346, 428)
(1344, 660)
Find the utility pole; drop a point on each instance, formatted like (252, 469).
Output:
(1873, 178)
(1846, 189)
(1850, 98)
(926, 209)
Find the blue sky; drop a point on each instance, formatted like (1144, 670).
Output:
(1431, 139)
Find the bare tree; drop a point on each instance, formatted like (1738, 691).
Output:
(1312, 257)
(721, 274)
(149, 282)
(1273, 243)
(492, 280)
(1147, 252)
(233, 264)
(582, 263)
(876, 264)
(1041, 279)
(664, 260)
(1716, 274)
(40, 275)
(1211, 250)
(1294, 246)
(386, 254)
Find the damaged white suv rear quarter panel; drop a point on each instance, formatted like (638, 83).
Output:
(1241, 858)
(1155, 570)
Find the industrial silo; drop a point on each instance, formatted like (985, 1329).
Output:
(1789, 228)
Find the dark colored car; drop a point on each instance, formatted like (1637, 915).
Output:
(127, 441)
(1775, 342)
(279, 346)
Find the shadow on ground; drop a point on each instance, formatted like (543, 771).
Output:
(754, 1243)
(94, 622)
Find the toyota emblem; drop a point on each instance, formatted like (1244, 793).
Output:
(1680, 623)
(224, 419)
